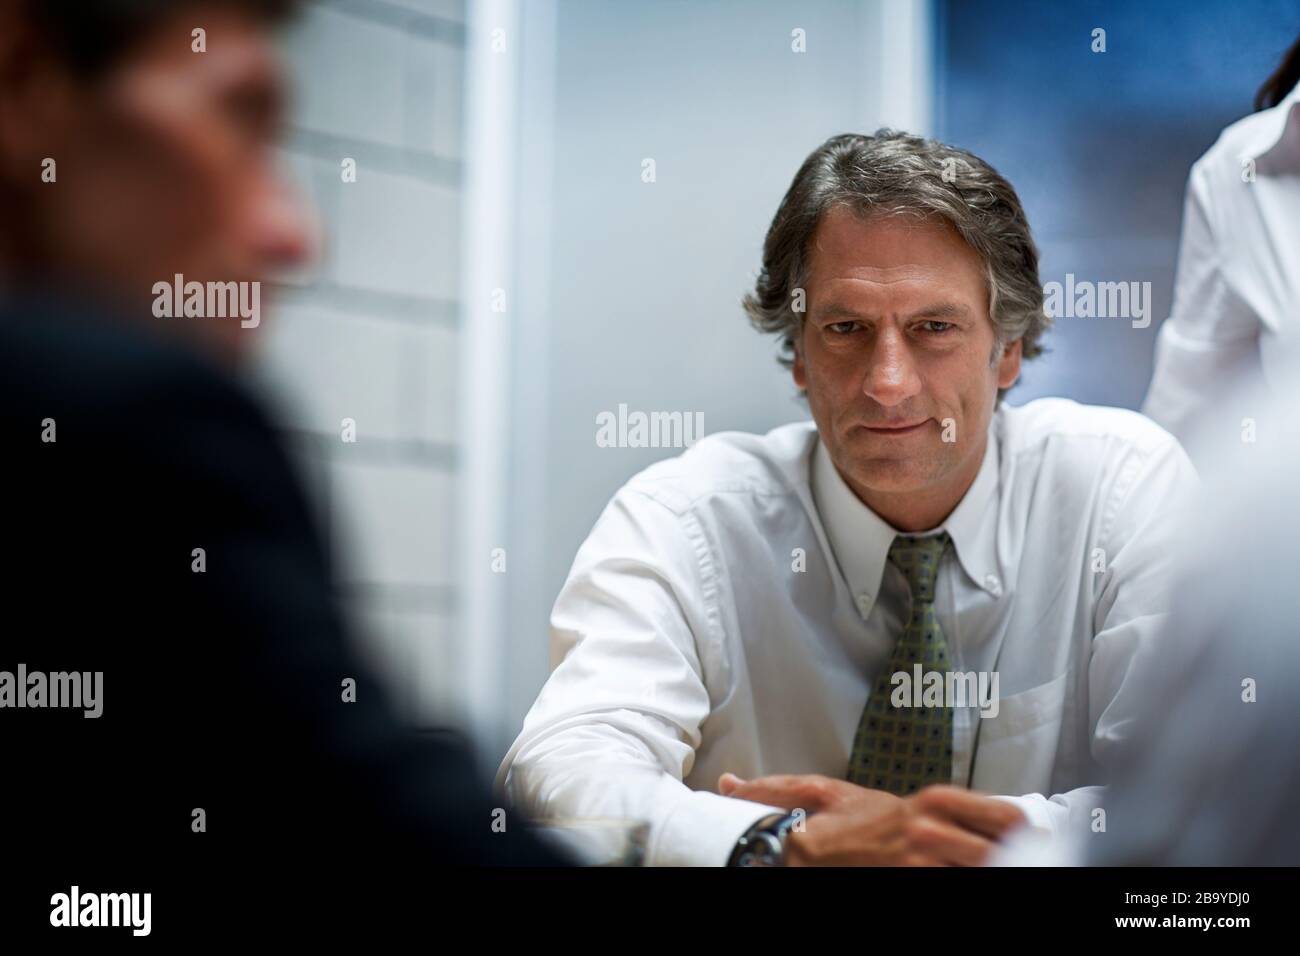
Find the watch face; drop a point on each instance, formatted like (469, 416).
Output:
(767, 850)
(764, 844)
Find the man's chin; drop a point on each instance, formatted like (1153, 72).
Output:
(890, 475)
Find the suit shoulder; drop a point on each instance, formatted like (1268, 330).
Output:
(101, 376)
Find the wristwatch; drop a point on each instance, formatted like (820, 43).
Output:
(763, 844)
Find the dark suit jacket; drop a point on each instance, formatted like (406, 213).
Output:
(222, 690)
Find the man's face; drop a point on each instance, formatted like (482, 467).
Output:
(164, 165)
(896, 356)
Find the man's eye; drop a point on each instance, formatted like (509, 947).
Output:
(842, 328)
(936, 327)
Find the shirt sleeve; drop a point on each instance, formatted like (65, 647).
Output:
(1211, 338)
(615, 729)
(1146, 518)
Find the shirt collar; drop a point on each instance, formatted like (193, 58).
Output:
(1276, 133)
(860, 539)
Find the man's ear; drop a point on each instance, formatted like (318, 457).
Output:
(797, 368)
(1009, 364)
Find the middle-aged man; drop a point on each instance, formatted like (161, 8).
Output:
(741, 633)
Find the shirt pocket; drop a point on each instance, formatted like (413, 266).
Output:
(1016, 751)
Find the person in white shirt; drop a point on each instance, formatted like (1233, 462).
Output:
(1212, 768)
(733, 644)
(1235, 319)
(1213, 776)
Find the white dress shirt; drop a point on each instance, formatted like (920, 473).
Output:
(1236, 309)
(733, 605)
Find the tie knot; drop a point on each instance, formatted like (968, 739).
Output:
(918, 559)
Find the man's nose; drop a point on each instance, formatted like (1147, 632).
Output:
(891, 376)
(286, 230)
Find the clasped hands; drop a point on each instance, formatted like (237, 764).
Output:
(849, 825)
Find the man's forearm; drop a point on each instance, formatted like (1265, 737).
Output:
(687, 827)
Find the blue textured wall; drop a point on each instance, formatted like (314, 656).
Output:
(1099, 144)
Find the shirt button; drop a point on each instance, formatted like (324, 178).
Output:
(864, 602)
(993, 584)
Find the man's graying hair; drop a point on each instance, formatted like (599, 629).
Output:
(897, 174)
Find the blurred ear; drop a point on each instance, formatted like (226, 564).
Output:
(36, 97)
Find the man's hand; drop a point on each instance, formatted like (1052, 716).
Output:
(939, 825)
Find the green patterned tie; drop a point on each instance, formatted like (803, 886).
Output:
(901, 749)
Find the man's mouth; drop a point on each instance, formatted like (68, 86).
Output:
(896, 428)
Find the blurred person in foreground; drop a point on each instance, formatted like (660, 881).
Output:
(1212, 773)
(157, 534)
(912, 617)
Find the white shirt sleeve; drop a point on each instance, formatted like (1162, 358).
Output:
(615, 729)
(1150, 510)
(1062, 816)
(1211, 339)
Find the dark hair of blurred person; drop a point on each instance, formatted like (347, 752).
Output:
(1282, 80)
(162, 156)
